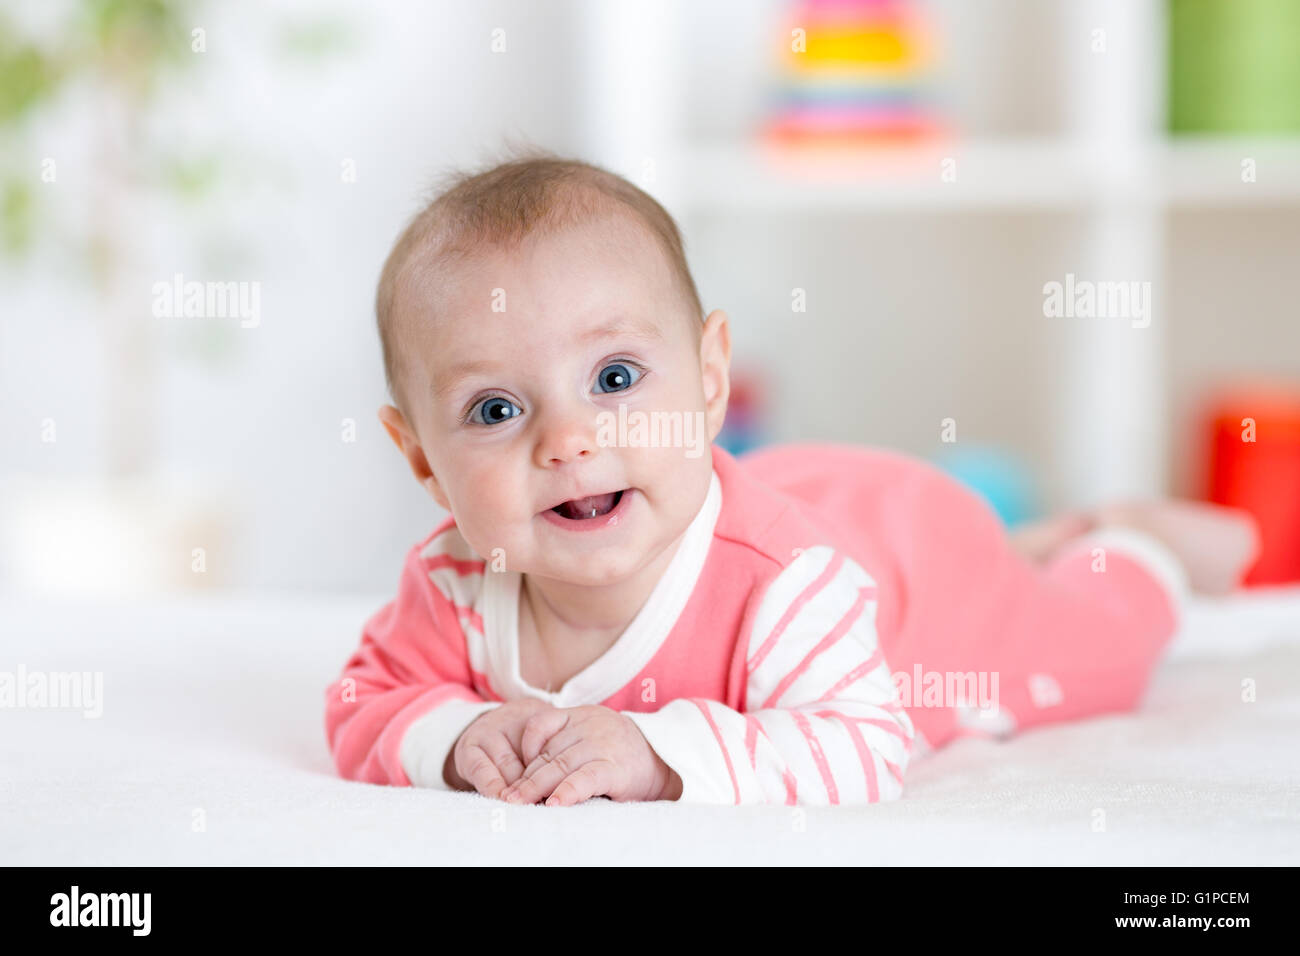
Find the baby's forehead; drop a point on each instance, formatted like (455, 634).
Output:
(576, 264)
(613, 239)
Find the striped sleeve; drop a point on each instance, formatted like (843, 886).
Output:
(823, 723)
(406, 694)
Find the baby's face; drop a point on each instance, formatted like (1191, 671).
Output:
(515, 392)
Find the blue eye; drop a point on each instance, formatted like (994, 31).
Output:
(618, 376)
(495, 411)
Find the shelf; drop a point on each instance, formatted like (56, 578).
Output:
(994, 174)
(1209, 172)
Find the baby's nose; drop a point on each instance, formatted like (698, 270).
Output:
(569, 436)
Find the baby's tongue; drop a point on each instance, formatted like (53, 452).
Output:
(592, 507)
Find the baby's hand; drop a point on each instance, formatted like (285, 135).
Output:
(486, 758)
(576, 753)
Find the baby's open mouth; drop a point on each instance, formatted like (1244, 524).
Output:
(584, 509)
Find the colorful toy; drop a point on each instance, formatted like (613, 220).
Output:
(1255, 464)
(744, 427)
(853, 71)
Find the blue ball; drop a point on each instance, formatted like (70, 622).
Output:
(998, 477)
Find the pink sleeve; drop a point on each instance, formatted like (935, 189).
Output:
(405, 695)
(823, 724)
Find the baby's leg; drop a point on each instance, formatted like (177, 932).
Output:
(963, 616)
(1073, 635)
(1082, 634)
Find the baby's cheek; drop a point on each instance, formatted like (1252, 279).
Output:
(476, 521)
(487, 536)
(483, 500)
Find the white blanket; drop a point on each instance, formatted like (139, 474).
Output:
(210, 750)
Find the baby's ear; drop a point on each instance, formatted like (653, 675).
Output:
(394, 423)
(408, 444)
(715, 368)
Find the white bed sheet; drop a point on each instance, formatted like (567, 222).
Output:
(215, 705)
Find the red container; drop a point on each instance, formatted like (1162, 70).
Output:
(1261, 476)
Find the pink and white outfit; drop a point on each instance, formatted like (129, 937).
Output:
(832, 612)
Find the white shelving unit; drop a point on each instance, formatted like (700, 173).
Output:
(1003, 175)
(1112, 167)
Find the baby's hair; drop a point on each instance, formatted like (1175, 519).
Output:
(534, 191)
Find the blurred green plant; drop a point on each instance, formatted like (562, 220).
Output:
(126, 47)
(27, 76)
(119, 55)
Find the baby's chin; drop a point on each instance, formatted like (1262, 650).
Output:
(597, 566)
(602, 568)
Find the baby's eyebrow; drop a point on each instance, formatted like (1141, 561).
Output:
(636, 327)
(458, 373)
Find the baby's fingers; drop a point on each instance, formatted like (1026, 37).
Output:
(481, 771)
(502, 753)
(592, 779)
(538, 729)
(545, 773)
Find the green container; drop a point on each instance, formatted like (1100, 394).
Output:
(1234, 66)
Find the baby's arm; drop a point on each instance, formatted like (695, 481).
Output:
(823, 724)
(405, 696)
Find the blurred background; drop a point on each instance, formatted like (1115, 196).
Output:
(882, 194)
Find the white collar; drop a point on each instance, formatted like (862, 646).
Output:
(636, 646)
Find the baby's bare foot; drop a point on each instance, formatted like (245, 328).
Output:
(1216, 545)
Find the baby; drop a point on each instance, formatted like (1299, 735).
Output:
(604, 615)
